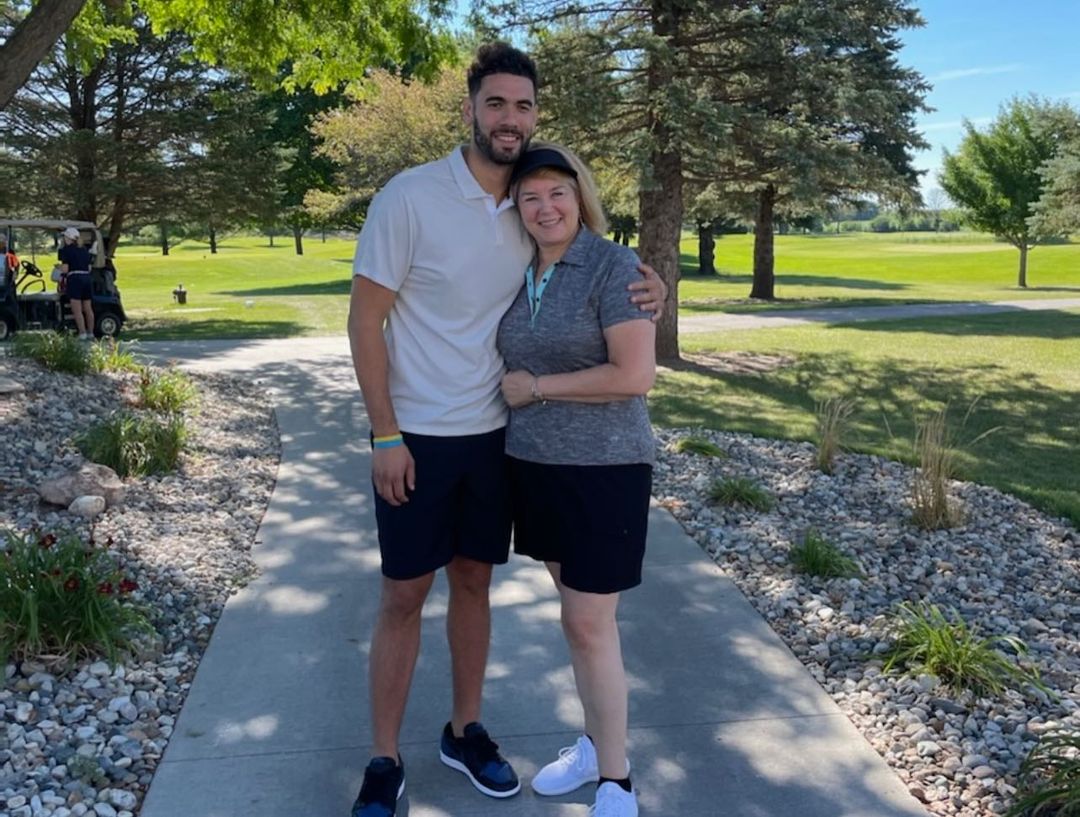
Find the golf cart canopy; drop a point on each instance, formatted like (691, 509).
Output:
(10, 226)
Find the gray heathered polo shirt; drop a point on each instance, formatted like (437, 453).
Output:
(586, 294)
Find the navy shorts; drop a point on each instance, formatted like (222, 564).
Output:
(461, 506)
(79, 286)
(591, 519)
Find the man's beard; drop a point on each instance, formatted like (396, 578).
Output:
(486, 147)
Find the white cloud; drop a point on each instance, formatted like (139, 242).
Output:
(955, 124)
(978, 71)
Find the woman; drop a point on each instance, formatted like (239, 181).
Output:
(580, 359)
(75, 264)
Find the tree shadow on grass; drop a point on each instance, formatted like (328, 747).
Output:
(1049, 324)
(335, 287)
(1031, 454)
(156, 329)
(807, 280)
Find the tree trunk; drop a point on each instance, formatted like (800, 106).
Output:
(31, 42)
(164, 230)
(1022, 282)
(626, 239)
(271, 239)
(298, 239)
(213, 240)
(616, 236)
(706, 248)
(764, 280)
(661, 198)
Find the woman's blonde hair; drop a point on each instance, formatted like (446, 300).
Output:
(592, 211)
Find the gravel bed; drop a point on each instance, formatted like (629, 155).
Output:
(1008, 570)
(86, 739)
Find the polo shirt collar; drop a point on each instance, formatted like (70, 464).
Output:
(578, 251)
(468, 185)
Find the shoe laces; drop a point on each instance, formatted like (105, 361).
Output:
(483, 748)
(572, 756)
(379, 786)
(605, 806)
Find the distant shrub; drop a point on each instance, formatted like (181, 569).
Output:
(741, 491)
(169, 391)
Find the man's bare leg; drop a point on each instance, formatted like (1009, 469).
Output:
(468, 631)
(395, 645)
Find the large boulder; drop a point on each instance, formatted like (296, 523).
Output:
(90, 480)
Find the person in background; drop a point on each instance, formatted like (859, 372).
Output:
(580, 359)
(10, 262)
(75, 263)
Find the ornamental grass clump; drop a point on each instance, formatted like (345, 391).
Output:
(56, 351)
(170, 391)
(832, 424)
(61, 600)
(740, 491)
(699, 446)
(109, 355)
(816, 556)
(929, 641)
(1050, 778)
(135, 444)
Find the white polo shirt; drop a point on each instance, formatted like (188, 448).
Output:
(455, 257)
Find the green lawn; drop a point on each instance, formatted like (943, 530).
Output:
(880, 268)
(1023, 369)
(247, 290)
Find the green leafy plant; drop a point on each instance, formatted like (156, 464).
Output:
(816, 556)
(109, 355)
(56, 351)
(134, 445)
(700, 446)
(832, 423)
(169, 391)
(1050, 778)
(61, 599)
(740, 491)
(928, 640)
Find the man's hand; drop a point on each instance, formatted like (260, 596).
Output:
(394, 472)
(517, 388)
(650, 292)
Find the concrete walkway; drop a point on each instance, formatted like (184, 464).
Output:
(778, 319)
(724, 719)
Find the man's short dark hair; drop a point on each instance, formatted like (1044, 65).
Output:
(500, 58)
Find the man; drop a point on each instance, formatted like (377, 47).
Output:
(10, 262)
(441, 257)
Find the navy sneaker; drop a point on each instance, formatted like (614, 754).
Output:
(384, 783)
(477, 756)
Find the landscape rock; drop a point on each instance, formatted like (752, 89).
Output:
(90, 479)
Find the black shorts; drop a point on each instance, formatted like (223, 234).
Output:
(461, 506)
(79, 286)
(591, 519)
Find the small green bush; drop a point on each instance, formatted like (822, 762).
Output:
(1050, 778)
(134, 445)
(819, 557)
(832, 422)
(56, 351)
(170, 391)
(929, 641)
(740, 491)
(61, 600)
(700, 446)
(109, 355)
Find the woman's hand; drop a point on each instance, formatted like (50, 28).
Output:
(517, 388)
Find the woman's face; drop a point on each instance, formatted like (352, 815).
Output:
(548, 205)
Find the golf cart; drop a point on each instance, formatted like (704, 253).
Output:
(29, 299)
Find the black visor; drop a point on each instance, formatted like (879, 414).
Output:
(539, 158)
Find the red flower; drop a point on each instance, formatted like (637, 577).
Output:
(47, 541)
(71, 584)
(105, 588)
(127, 585)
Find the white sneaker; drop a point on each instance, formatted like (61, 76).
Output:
(576, 766)
(613, 801)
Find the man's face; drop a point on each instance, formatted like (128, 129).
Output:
(503, 117)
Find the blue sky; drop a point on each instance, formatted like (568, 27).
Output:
(979, 53)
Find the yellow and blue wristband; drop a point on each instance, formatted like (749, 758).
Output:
(389, 441)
